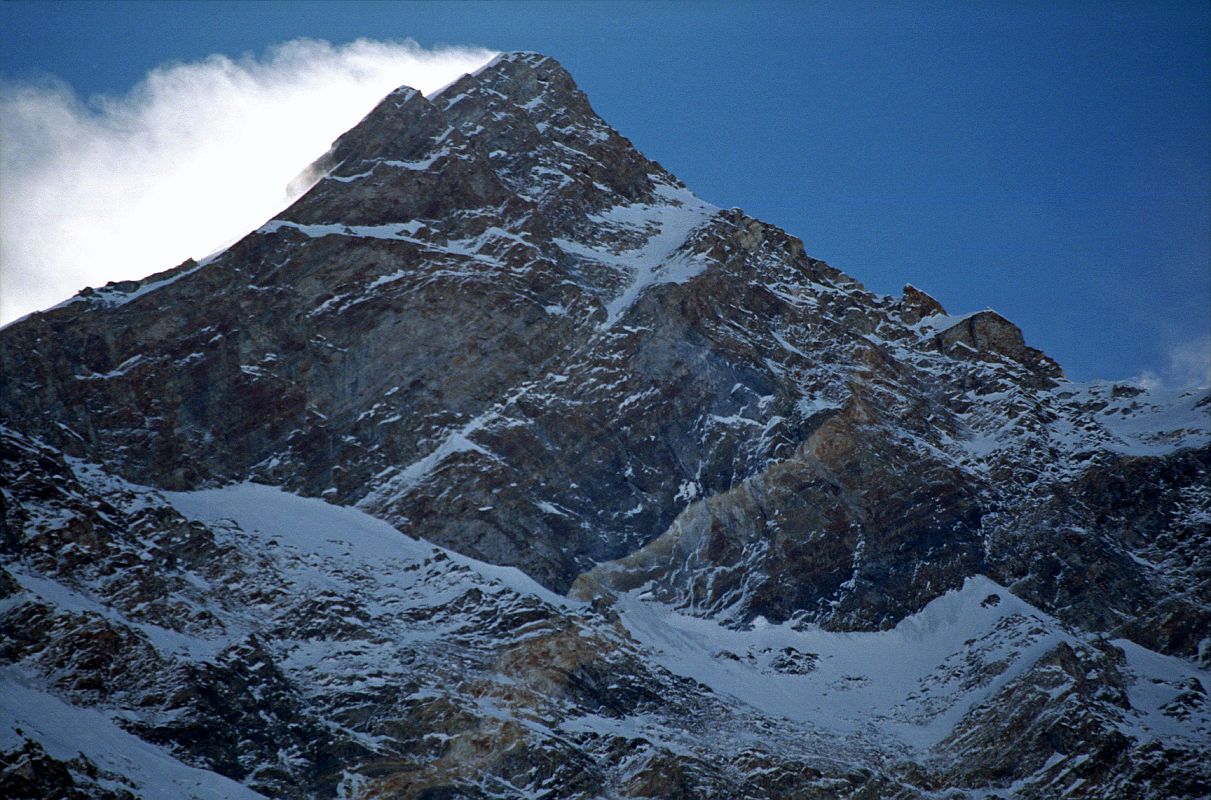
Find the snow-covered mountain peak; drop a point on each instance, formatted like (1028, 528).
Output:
(303, 515)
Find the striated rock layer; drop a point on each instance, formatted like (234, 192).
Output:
(814, 541)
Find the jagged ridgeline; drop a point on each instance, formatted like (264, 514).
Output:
(500, 465)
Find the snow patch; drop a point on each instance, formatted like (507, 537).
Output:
(877, 684)
(399, 230)
(1140, 421)
(657, 261)
(317, 531)
(66, 732)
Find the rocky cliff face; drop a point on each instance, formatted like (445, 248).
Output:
(584, 488)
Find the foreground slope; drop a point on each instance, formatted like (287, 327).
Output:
(496, 326)
(165, 643)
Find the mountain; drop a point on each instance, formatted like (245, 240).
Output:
(500, 465)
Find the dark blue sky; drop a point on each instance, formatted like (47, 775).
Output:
(1052, 161)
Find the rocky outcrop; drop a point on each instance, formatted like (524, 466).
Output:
(916, 305)
(988, 333)
(846, 531)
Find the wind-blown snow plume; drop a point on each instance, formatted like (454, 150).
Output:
(194, 156)
(1187, 365)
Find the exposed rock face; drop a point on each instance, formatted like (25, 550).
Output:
(987, 333)
(496, 326)
(916, 305)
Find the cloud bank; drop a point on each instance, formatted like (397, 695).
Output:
(192, 158)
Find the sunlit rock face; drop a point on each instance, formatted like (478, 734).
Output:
(546, 478)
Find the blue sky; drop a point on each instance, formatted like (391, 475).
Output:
(1052, 161)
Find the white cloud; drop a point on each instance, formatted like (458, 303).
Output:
(1149, 380)
(192, 158)
(1189, 363)
(1187, 366)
